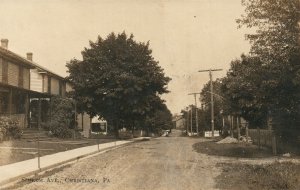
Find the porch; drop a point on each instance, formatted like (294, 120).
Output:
(15, 103)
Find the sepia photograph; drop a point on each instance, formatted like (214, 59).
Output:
(156, 94)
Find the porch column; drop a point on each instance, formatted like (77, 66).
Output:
(27, 111)
(50, 101)
(39, 114)
(10, 102)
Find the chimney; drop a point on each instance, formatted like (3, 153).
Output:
(29, 56)
(4, 43)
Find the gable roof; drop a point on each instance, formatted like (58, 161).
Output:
(15, 58)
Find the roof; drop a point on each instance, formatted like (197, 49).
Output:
(27, 63)
(21, 60)
(31, 92)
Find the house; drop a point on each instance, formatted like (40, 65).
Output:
(45, 82)
(26, 89)
(23, 84)
(15, 85)
(178, 122)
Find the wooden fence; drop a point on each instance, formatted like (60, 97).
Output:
(263, 137)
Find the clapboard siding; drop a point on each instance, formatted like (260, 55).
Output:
(26, 78)
(36, 81)
(54, 86)
(68, 87)
(45, 83)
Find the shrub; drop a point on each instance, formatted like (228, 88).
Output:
(9, 128)
(62, 118)
(59, 130)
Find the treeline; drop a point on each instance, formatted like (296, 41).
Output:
(264, 86)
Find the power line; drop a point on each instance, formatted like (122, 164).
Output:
(197, 127)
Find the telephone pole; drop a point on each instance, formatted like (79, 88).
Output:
(211, 98)
(195, 96)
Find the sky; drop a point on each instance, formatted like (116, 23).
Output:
(185, 35)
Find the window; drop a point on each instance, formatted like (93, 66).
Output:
(60, 88)
(4, 101)
(21, 76)
(4, 71)
(49, 84)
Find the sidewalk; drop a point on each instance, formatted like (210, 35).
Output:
(12, 172)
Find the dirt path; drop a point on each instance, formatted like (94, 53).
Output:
(162, 163)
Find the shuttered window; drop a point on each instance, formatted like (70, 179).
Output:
(49, 84)
(21, 76)
(4, 71)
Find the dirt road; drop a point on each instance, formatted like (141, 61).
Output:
(161, 163)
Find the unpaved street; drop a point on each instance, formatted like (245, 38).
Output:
(161, 163)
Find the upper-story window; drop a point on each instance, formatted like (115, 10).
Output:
(49, 84)
(60, 88)
(21, 76)
(4, 71)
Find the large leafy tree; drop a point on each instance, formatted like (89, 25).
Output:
(276, 39)
(160, 119)
(220, 103)
(118, 79)
(245, 89)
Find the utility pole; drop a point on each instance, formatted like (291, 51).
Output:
(211, 98)
(195, 96)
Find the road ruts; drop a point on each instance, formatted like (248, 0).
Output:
(161, 163)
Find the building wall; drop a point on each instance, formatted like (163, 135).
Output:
(68, 87)
(46, 78)
(26, 79)
(13, 74)
(63, 88)
(54, 86)
(180, 124)
(35, 80)
(84, 124)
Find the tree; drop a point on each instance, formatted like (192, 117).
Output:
(118, 79)
(219, 103)
(276, 39)
(276, 45)
(245, 89)
(160, 119)
(203, 123)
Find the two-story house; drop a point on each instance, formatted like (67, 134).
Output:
(26, 89)
(14, 84)
(45, 82)
(23, 83)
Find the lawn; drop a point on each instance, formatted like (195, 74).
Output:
(19, 150)
(236, 176)
(241, 150)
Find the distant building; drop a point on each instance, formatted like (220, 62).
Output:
(178, 122)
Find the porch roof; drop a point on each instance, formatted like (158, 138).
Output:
(31, 93)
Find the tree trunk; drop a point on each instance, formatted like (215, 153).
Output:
(132, 130)
(116, 128)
